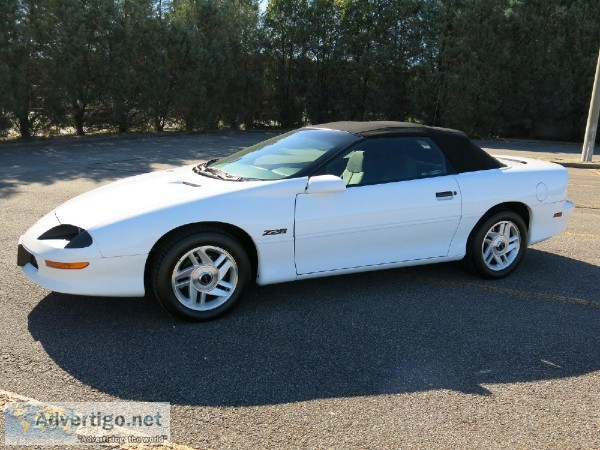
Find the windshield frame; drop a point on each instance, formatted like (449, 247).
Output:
(308, 170)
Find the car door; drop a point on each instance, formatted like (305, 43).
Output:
(401, 203)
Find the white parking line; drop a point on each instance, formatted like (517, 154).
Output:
(582, 205)
(590, 235)
(508, 291)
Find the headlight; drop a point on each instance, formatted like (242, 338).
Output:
(76, 237)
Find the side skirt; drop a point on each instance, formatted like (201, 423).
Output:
(394, 265)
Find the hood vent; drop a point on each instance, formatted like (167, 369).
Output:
(187, 183)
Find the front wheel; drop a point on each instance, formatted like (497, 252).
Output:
(498, 245)
(200, 276)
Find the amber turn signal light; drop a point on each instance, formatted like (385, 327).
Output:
(558, 214)
(72, 266)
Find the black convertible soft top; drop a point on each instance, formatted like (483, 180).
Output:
(462, 153)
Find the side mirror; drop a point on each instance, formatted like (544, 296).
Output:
(325, 184)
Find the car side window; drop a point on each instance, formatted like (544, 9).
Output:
(384, 160)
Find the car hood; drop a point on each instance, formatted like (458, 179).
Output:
(141, 194)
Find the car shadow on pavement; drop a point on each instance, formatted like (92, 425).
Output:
(374, 333)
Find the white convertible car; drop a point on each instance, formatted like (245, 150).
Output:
(322, 200)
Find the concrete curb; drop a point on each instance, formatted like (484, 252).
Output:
(576, 164)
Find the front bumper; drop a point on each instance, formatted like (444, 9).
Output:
(24, 257)
(121, 276)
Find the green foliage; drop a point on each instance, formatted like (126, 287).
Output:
(23, 67)
(489, 67)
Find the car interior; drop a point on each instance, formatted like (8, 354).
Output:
(389, 159)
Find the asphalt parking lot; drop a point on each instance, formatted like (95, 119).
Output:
(417, 357)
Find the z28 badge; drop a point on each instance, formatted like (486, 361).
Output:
(274, 232)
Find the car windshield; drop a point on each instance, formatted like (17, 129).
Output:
(282, 156)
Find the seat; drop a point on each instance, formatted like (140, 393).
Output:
(353, 173)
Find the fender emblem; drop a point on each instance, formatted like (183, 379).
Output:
(274, 232)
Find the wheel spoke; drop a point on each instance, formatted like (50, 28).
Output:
(217, 262)
(193, 259)
(224, 269)
(181, 284)
(202, 299)
(219, 292)
(203, 256)
(225, 284)
(184, 273)
(511, 247)
(491, 236)
(500, 229)
(193, 293)
(488, 256)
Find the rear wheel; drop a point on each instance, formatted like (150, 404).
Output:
(201, 275)
(498, 245)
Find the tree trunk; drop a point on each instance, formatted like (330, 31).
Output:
(189, 123)
(24, 126)
(158, 124)
(79, 128)
(78, 114)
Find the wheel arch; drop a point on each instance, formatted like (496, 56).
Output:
(519, 208)
(220, 227)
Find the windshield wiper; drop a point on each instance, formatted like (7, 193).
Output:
(205, 169)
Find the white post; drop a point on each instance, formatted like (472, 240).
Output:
(592, 123)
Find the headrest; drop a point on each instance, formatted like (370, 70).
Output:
(355, 162)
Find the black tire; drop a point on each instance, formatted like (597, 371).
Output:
(475, 245)
(171, 252)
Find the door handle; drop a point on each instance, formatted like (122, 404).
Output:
(445, 195)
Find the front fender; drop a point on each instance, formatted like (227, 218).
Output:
(256, 211)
